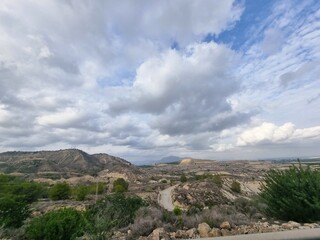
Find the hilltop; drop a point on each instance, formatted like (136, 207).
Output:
(62, 163)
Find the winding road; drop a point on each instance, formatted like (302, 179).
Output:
(165, 198)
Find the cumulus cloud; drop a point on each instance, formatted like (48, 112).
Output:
(270, 133)
(186, 92)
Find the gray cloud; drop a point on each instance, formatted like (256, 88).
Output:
(186, 93)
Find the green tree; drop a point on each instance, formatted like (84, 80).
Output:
(236, 187)
(292, 194)
(60, 191)
(120, 185)
(62, 224)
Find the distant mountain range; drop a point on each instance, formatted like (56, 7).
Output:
(61, 163)
(168, 159)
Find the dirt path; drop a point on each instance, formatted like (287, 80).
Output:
(165, 199)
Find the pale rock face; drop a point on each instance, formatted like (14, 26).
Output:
(191, 232)
(294, 224)
(225, 225)
(204, 229)
(215, 232)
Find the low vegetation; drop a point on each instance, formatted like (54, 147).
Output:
(236, 187)
(292, 194)
(15, 197)
(61, 224)
(120, 185)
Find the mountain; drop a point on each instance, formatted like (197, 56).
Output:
(169, 159)
(61, 163)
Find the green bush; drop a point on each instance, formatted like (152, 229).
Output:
(13, 211)
(15, 195)
(60, 191)
(112, 212)
(102, 188)
(63, 224)
(217, 180)
(80, 192)
(120, 185)
(292, 194)
(183, 178)
(27, 191)
(177, 211)
(236, 187)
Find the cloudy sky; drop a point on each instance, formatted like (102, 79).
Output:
(146, 79)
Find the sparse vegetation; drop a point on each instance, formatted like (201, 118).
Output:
(217, 180)
(292, 194)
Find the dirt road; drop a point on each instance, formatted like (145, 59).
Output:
(165, 199)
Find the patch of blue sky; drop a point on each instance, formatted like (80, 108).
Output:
(124, 78)
(256, 11)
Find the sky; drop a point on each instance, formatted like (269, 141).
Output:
(147, 79)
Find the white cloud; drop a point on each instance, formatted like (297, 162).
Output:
(186, 92)
(270, 133)
(66, 118)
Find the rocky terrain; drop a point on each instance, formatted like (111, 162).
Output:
(194, 186)
(225, 229)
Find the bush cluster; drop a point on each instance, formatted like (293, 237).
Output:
(120, 185)
(61, 224)
(15, 196)
(292, 194)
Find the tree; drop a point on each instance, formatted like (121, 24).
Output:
(62, 224)
(60, 191)
(292, 194)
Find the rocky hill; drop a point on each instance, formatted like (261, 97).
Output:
(62, 163)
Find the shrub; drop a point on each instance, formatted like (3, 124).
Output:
(102, 188)
(80, 193)
(27, 191)
(217, 180)
(13, 211)
(62, 224)
(183, 178)
(146, 220)
(236, 187)
(112, 212)
(292, 194)
(60, 191)
(177, 211)
(120, 185)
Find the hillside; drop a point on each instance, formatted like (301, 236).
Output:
(61, 163)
